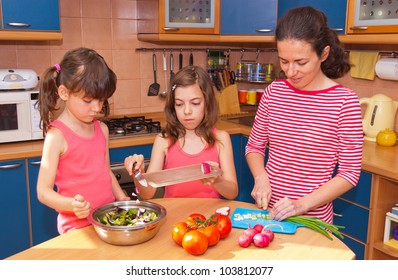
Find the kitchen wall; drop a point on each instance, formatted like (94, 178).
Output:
(109, 26)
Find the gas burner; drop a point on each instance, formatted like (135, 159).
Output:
(131, 126)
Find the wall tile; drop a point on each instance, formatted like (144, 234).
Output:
(97, 33)
(71, 34)
(8, 57)
(70, 8)
(124, 34)
(96, 8)
(124, 9)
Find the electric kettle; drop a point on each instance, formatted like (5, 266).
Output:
(379, 115)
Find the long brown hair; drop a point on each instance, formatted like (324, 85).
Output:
(310, 25)
(188, 76)
(81, 69)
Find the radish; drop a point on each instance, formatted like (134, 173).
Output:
(269, 233)
(223, 211)
(244, 240)
(258, 227)
(205, 168)
(251, 232)
(261, 240)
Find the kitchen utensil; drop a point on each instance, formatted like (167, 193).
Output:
(139, 177)
(191, 59)
(245, 217)
(180, 175)
(154, 88)
(180, 60)
(171, 67)
(163, 93)
(127, 235)
(379, 115)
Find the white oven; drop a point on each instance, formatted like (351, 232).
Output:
(19, 116)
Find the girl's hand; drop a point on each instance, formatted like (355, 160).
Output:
(262, 190)
(285, 208)
(80, 206)
(134, 162)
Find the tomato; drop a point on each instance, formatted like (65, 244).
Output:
(194, 220)
(195, 242)
(212, 234)
(178, 232)
(224, 225)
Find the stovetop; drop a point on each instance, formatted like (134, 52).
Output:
(131, 127)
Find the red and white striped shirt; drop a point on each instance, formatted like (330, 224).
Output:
(308, 133)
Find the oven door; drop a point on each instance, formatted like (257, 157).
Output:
(15, 116)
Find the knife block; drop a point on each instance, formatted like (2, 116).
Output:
(228, 100)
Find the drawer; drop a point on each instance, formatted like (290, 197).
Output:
(354, 218)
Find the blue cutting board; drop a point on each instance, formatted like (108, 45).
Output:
(243, 217)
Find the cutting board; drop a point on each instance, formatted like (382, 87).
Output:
(243, 217)
(180, 175)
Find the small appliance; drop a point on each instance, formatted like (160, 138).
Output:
(16, 79)
(379, 115)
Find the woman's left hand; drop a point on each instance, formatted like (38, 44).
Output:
(284, 208)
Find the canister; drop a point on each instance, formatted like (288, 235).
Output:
(259, 94)
(242, 96)
(240, 71)
(269, 72)
(251, 97)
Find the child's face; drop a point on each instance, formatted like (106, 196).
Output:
(189, 106)
(83, 108)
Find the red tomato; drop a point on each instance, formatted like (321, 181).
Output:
(212, 234)
(195, 220)
(224, 225)
(178, 232)
(195, 242)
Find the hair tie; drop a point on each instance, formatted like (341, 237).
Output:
(57, 67)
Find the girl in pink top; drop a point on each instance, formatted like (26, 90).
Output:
(75, 154)
(189, 137)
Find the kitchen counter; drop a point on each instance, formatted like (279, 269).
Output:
(376, 159)
(84, 243)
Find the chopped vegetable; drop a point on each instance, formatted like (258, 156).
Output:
(205, 168)
(223, 211)
(130, 217)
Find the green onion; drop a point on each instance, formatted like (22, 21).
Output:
(317, 224)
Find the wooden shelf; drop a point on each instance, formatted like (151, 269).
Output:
(30, 35)
(385, 249)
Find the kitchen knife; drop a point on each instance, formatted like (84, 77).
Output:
(180, 175)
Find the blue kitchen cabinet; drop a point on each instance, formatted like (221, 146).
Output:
(248, 17)
(44, 218)
(334, 10)
(117, 155)
(38, 15)
(15, 233)
(352, 211)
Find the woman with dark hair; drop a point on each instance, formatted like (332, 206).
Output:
(310, 123)
(190, 137)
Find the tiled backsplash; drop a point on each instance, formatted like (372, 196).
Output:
(109, 26)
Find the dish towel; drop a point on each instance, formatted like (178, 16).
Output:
(363, 64)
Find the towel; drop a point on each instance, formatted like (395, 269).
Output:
(363, 64)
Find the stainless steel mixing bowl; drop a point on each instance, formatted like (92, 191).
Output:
(127, 235)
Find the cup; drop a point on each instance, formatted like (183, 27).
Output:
(251, 97)
(242, 96)
(259, 94)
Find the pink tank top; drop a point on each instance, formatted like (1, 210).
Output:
(176, 157)
(84, 170)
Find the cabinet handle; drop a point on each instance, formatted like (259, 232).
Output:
(36, 162)
(359, 28)
(263, 30)
(10, 166)
(170, 28)
(18, 24)
(337, 29)
(337, 215)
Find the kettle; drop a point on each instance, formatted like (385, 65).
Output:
(379, 115)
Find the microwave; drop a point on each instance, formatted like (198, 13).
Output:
(19, 116)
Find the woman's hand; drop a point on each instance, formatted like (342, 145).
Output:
(262, 190)
(81, 207)
(285, 208)
(133, 163)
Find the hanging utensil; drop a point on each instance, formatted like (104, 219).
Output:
(154, 87)
(171, 67)
(191, 59)
(180, 59)
(163, 93)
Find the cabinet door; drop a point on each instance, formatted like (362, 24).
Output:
(44, 218)
(31, 15)
(372, 17)
(245, 181)
(334, 10)
(119, 154)
(15, 233)
(248, 17)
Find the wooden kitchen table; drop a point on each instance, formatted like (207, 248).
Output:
(84, 244)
